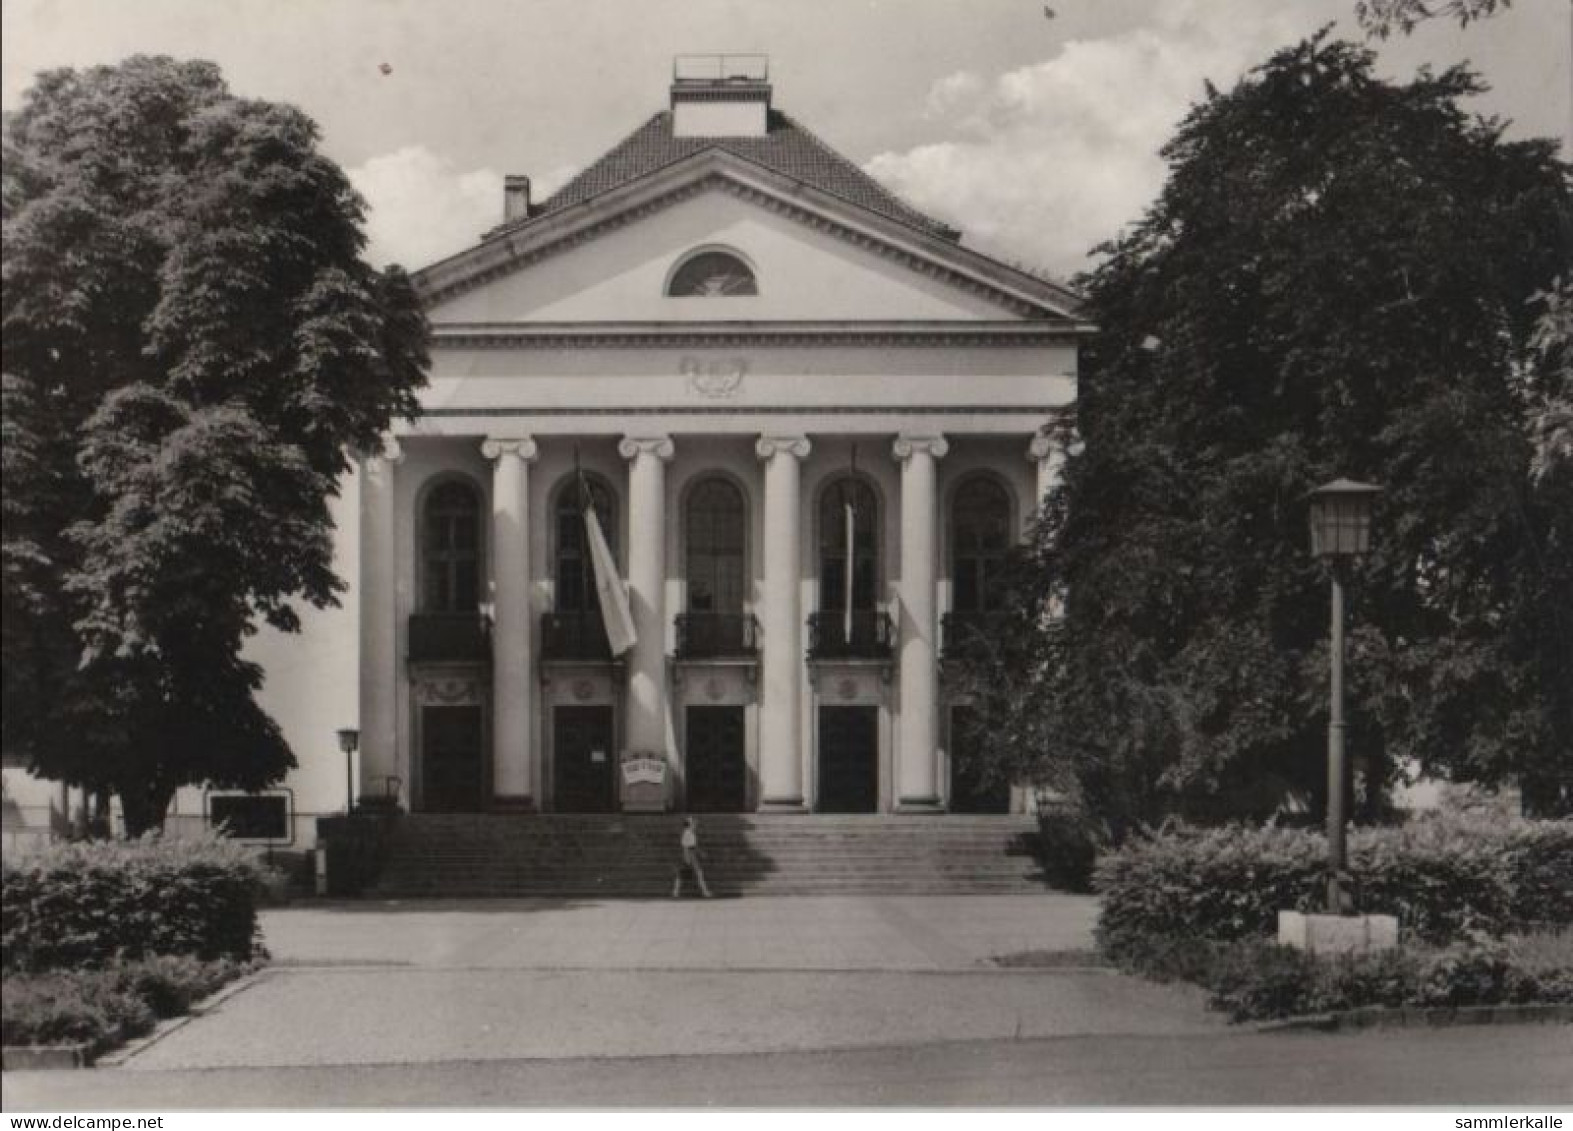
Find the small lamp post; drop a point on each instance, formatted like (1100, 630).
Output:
(1340, 531)
(349, 740)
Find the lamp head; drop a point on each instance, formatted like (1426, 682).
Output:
(1341, 518)
(349, 740)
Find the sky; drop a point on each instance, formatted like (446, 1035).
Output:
(1033, 127)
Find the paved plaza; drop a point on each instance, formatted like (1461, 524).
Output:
(372, 983)
(806, 1001)
(776, 933)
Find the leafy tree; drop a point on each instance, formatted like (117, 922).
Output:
(192, 343)
(1551, 382)
(1381, 18)
(1334, 281)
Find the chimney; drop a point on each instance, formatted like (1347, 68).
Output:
(720, 95)
(515, 197)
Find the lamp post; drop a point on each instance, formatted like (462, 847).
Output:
(1340, 531)
(349, 739)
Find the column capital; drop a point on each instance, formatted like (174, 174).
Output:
(524, 447)
(907, 446)
(661, 447)
(767, 446)
(1042, 448)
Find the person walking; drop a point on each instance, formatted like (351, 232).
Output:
(691, 861)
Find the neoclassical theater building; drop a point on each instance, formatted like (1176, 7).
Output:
(811, 424)
(770, 372)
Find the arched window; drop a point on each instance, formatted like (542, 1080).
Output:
(833, 555)
(980, 541)
(713, 274)
(451, 548)
(716, 539)
(575, 572)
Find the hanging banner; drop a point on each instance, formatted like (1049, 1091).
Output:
(615, 613)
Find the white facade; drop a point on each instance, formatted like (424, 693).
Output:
(872, 346)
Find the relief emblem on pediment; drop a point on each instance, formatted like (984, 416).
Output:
(715, 379)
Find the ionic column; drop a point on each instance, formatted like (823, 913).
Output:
(780, 706)
(379, 618)
(1049, 457)
(646, 705)
(917, 769)
(512, 683)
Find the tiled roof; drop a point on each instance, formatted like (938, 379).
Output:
(787, 148)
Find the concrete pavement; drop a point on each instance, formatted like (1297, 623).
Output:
(806, 1001)
(760, 933)
(406, 1016)
(540, 979)
(1519, 1066)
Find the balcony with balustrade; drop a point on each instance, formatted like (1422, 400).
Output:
(578, 637)
(439, 638)
(865, 635)
(717, 636)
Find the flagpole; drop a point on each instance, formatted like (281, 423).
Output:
(849, 492)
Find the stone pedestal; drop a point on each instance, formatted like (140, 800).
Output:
(1337, 934)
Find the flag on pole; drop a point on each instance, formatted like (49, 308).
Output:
(846, 597)
(615, 613)
(848, 489)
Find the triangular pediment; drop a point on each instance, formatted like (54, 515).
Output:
(817, 258)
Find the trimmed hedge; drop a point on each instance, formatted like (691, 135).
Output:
(1255, 981)
(72, 1007)
(1444, 876)
(102, 1008)
(82, 906)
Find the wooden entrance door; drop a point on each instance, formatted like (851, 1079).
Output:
(583, 762)
(848, 760)
(715, 764)
(453, 763)
(967, 794)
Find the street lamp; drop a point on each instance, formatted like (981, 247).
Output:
(1340, 530)
(349, 739)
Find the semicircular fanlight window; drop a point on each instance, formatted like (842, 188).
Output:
(713, 274)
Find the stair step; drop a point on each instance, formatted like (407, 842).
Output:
(520, 855)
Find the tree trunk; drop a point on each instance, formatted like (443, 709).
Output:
(144, 808)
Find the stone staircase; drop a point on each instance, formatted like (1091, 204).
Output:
(506, 855)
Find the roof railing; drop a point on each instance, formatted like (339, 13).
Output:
(720, 68)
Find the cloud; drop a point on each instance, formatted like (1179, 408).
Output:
(1041, 163)
(421, 208)
(959, 89)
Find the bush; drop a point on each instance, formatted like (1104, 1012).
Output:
(1256, 979)
(1349, 981)
(171, 983)
(1444, 877)
(105, 1007)
(1214, 885)
(79, 906)
(1543, 962)
(1253, 980)
(1068, 846)
(1539, 859)
(71, 1007)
